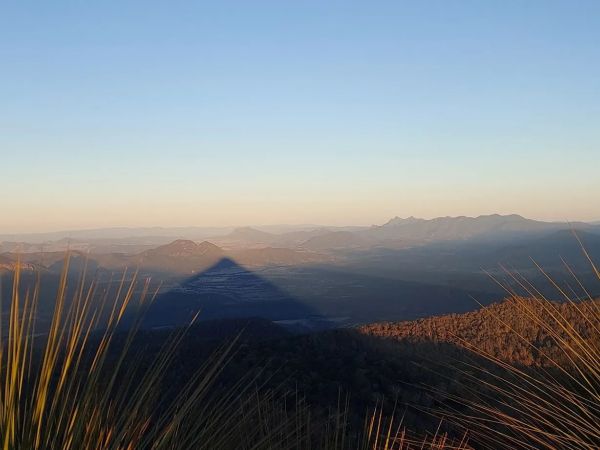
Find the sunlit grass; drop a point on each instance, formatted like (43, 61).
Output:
(555, 405)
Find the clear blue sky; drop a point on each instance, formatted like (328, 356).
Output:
(254, 112)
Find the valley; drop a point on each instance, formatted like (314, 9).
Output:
(311, 279)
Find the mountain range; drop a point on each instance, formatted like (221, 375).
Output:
(411, 231)
(395, 232)
(335, 276)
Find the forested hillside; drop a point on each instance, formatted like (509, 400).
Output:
(515, 331)
(404, 364)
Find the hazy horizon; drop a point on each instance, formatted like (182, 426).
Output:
(212, 114)
(22, 230)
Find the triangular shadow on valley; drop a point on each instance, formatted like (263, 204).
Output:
(226, 290)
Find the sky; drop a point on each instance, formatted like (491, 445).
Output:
(143, 113)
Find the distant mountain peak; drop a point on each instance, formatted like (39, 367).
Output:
(250, 234)
(205, 247)
(394, 221)
(185, 247)
(449, 228)
(501, 217)
(180, 244)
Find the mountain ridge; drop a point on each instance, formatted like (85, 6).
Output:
(205, 232)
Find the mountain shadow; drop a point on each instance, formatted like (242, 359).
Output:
(226, 290)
